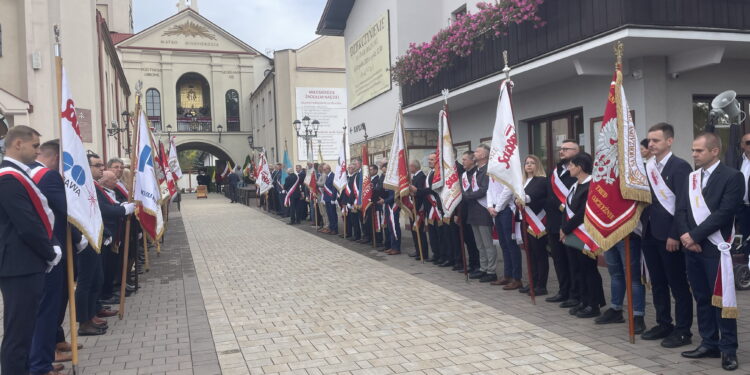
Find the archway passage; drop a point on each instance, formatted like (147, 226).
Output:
(200, 158)
(193, 103)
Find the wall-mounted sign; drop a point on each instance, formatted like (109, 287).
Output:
(357, 128)
(368, 66)
(84, 124)
(328, 106)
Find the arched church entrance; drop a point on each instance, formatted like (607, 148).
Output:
(201, 159)
(193, 103)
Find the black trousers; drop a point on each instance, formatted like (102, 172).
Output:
(452, 241)
(367, 224)
(564, 268)
(353, 227)
(21, 298)
(471, 246)
(294, 210)
(42, 352)
(589, 281)
(667, 272)
(88, 288)
(539, 260)
(433, 232)
(716, 332)
(110, 263)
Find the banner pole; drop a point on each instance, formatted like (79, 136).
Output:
(415, 228)
(525, 234)
(344, 215)
(462, 245)
(629, 289)
(146, 262)
(373, 217)
(71, 298)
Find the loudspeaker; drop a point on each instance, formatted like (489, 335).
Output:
(727, 103)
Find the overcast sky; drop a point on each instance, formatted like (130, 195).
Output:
(263, 24)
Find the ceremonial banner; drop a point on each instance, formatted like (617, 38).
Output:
(340, 177)
(146, 187)
(286, 165)
(247, 168)
(397, 174)
(169, 182)
(263, 175)
(174, 161)
(619, 189)
(450, 196)
(314, 192)
(80, 193)
(505, 162)
(227, 169)
(364, 199)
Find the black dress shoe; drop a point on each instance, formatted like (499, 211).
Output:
(638, 325)
(490, 277)
(447, 263)
(702, 352)
(458, 268)
(524, 289)
(476, 275)
(588, 312)
(657, 332)
(538, 292)
(569, 303)
(610, 316)
(574, 310)
(676, 340)
(556, 298)
(436, 261)
(729, 362)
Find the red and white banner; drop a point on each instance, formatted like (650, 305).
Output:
(341, 177)
(364, 199)
(80, 192)
(397, 174)
(620, 188)
(146, 186)
(174, 162)
(263, 175)
(450, 195)
(505, 162)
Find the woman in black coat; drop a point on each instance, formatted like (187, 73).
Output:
(535, 187)
(587, 279)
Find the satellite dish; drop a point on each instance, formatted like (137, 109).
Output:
(727, 103)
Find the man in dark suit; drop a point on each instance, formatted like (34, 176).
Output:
(378, 189)
(353, 218)
(721, 188)
(474, 195)
(114, 213)
(291, 192)
(431, 206)
(367, 224)
(329, 199)
(418, 179)
(743, 217)
(559, 185)
(668, 176)
(27, 248)
(55, 298)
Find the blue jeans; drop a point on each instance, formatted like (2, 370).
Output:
(511, 252)
(615, 258)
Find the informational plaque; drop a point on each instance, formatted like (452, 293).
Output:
(84, 124)
(328, 106)
(368, 66)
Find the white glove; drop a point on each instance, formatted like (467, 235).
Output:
(107, 241)
(83, 244)
(349, 206)
(140, 236)
(52, 263)
(129, 208)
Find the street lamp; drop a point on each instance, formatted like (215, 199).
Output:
(252, 145)
(169, 131)
(221, 129)
(126, 116)
(308, 133)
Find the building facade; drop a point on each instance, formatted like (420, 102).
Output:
(678, 56)
(197, 81)
(28, 84)
(308, 81)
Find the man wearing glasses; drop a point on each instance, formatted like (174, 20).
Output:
(559, 185)
(743, 217)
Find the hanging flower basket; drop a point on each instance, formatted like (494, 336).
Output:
(424, 61)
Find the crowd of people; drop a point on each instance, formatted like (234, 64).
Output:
(678, 250)
(33, 277)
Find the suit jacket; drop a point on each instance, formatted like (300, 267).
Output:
(420, 195)
(25, 247)
(577, 204)
(112, 214)
(352, 182)
(289, 182)
(723, 195)
(537, 192)
(655, 217)
(476, 214)
(554, 215)
(331, 187)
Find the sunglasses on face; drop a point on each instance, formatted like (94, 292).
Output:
(747, 143)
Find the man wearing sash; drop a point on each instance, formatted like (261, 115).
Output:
(292, 195)
(354, 230)
(705, 221)
(320, 182)
(375, 211)
(418, 178)
(114, 212)
(559, 185)
(433, 214)
(122, 195)
(467, 170)
(278, 188)
(474, 190)
(27, 247)
(743, 217)
(392, 223)
(667, 175)
(329, 199)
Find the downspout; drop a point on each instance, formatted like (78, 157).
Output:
(275, 115)
(101, 85)
(117, 111)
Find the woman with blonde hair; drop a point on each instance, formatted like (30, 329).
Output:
(535, 187)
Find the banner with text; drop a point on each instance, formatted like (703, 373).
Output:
(328, 106)
(369, 62)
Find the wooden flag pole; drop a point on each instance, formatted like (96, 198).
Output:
(373, 217)
(145, 252)
(415, 228)
(457, 220)
(158, 249)
(345, 217)
(525, 234)
(71, 298)
(629, 290)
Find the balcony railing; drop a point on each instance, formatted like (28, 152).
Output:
(188, 125)
(233, 123)
(572, 21)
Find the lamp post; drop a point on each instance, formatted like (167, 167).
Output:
(221, 129)
(126, 116)
(169, 131)
(250, 142)
(307, 130)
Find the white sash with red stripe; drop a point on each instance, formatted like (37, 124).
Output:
(288, 198)
(434, 215)
(535, 222)
(558, 188)
(37, 173)
(580, 231)
(38, 200)
(664, 195)
(122, 189)
(392, 220)
(104, 191)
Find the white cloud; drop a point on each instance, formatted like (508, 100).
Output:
(263, 24)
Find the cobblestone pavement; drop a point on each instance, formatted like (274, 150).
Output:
(280, 300)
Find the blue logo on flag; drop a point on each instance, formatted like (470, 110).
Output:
(145, 159)
(77, 173)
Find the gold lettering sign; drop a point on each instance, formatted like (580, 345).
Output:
(191, 95)
(369, 61)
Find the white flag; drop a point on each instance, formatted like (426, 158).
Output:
(80, 192)
(263, 180)
(174, 161)
(505, 162)
(340, 177)
(450, 196)
(146, 190)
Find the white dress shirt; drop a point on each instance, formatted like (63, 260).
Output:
(660, 164)
(745, 169)
(23, 166)
(499, 196)
(706, 174)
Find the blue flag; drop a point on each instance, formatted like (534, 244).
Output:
(287, 165)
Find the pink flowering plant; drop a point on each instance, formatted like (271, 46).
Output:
(424, 61)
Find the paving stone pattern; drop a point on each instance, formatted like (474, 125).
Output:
(280, 300)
